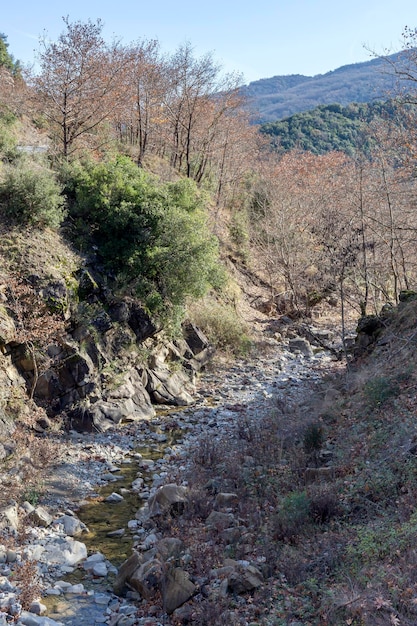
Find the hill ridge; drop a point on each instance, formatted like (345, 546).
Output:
(278, 97)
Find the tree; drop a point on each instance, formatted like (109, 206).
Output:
(6, 59)
(138, 118)
(78, 84)
(153, 235)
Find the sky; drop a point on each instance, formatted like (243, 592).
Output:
(256, 38)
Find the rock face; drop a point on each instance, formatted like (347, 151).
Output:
(111, 364)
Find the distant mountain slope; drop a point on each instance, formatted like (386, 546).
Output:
(328, 127)
(282, 96)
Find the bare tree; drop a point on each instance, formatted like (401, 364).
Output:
(78, 84)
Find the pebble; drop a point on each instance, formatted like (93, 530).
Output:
(93, 460)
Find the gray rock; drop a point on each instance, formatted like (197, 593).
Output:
(64, 552)
(169, 497)
(245, 579)
(92, 560)
(73, 527)
(100, 569)
(41, 517)
(148, 579)
(114, 498)
(165, 387)
(299, 344)
(116, 533)
(219, 520)
(178, 590)
(37, 608)
(9, 517)
(226, 499)
(30, 619)
(126, 570)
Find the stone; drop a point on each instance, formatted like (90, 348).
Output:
(169, 497)
(226, 499)
(92, 561)
(73, 527)
(195, 339)
(137, 484)
(7, 327)
(165, 387)
(9, 517)
(245, 579)
(30, 619)
(219, 520)
(64, 552)
(75, 589)
(116, 533)
(37, 608)
(126, 570)
(148, 579)
(125, 620)
(170, 548)
(114, 498)
(100, 569)
(178, 590)
(299, 344)
(41, 517)
(11, 556)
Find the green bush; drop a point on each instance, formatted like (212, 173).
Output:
(8, 150)
(30, 194)
(379, 389)
(222, 325)
(293, 517)
(153, 234)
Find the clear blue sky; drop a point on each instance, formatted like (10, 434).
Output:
(259, 38)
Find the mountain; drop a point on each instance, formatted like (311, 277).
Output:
(328, 127)
(278, 97)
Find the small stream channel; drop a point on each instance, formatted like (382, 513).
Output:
(102, 517)
(249, 384)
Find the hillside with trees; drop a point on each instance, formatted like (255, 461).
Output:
(331, 127)
(154, 248)
(279, 97)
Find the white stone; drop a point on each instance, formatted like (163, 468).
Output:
(75, 589)
(30, 619)
(114, 497)
(93, 560)
(64, 552)
(100, 569)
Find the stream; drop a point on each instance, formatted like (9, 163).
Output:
(108, 463)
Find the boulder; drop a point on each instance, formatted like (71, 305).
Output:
(299, 344)
(195, 339)
(73, 527)
(129, 311)
(226, 500)
(244, 579)
(9, 517)
(148, 579)
(178, 589)
(64, 552)
(219, 520)
(168, 498)
(7, 328)
(126, 570)
(169, 548)
(41, 517)
(165, 387)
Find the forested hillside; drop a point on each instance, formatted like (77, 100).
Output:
(279, 97)
(331, 127)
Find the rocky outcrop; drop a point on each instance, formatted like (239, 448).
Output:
(110, 365)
